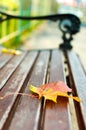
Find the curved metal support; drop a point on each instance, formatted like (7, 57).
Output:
(69, 25)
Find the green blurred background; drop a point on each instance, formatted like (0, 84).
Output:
(13, 32)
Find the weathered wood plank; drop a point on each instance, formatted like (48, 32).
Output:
(9, 68)
(27, 115)
(4, 58)
(16, 84)
(57, 115)
(79, 87)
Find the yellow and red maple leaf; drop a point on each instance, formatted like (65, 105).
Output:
(52, 90)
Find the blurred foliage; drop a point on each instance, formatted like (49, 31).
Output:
(54, 6)
(9, 5)
(23, 8)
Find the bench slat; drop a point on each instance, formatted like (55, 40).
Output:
(56, 115)
(16, 83)
(9, 68)
(27, 115)
(4, 58)
(79, 86)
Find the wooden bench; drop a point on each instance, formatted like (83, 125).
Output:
(37, 67)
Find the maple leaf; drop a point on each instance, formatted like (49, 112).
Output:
(11, 51)
(52, 90)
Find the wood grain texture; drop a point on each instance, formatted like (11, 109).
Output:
(17, 73)
(56, 115)
(28, 112)
(79, 86)
(4, 58)
(15, 84)
(9, 68)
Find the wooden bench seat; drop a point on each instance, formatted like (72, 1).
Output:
(18, 112)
